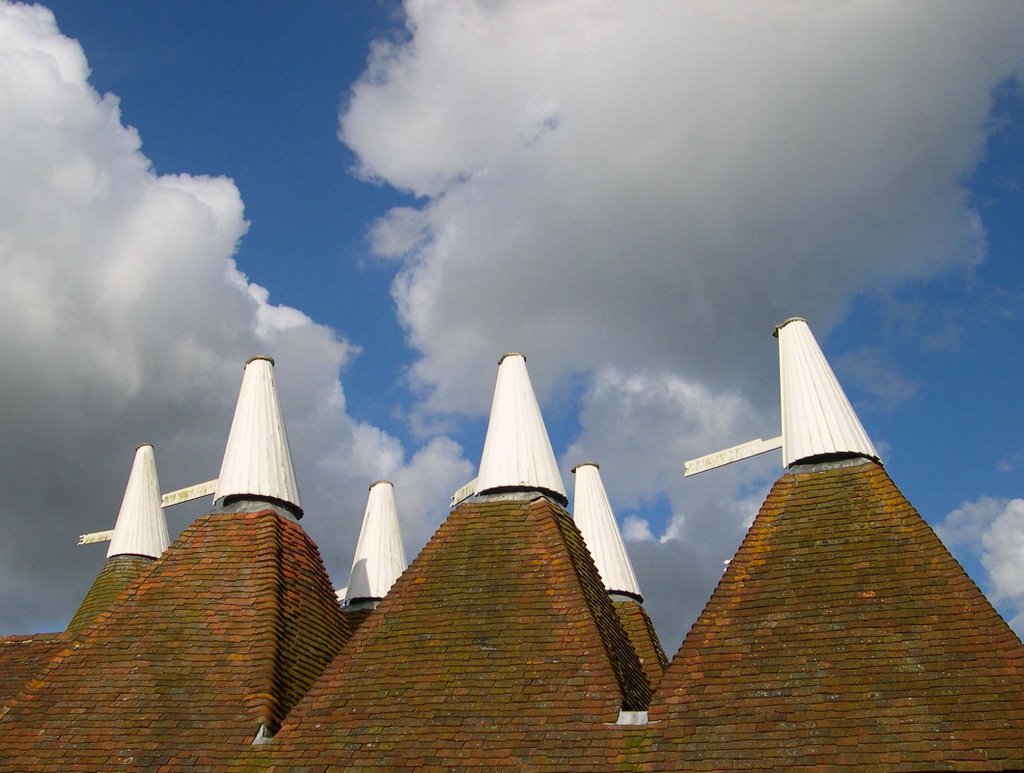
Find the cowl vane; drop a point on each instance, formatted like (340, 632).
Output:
(257, 460)
(141, 529)
(517, 453)
(379, 559)
(593, 515)
(818, 421)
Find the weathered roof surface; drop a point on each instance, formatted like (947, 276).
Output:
(517, 452)
(379, 557)
(141, 528)
(356, 617)
(593, 515)
(644, 638)
(117, 573)
(257, 459)
(221, 637)
(497, 647)
(817, 418)
(843, 635)
(24, 658)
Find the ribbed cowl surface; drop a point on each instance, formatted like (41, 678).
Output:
(817, 418)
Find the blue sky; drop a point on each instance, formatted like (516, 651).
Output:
(631, 200)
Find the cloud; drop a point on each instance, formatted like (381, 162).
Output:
(635, 199)
(641, 427)
(879, 379)
(993, 530)
(125, 319)
(657, 189)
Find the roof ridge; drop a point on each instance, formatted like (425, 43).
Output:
(282, 694)
(633, 681)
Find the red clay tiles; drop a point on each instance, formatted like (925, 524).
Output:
(842, 636)
(117, 573)
(24, 658)
(221, 637)
(498, 647)
(644, 638)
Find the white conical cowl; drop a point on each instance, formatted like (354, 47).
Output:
(141, 529)
(594, 517)
(817, 418)
(380, 556)
(517, 451)
(257, 461)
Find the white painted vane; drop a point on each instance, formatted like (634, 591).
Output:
(730, 455)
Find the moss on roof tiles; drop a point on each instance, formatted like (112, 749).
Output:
(226, 632)
(497, 647)
(843, 634)
(116, 574)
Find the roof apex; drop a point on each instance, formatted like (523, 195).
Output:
(141, 528)
(379, 559)
(517, 450)
(257, 460)
(817, 418)
(594, 517)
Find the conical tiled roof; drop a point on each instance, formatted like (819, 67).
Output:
(593, 515)
(638, 626)
(216, 642)
(116, 574)
(495, 648)
(141, 528)
(380, 556)
(140, 537)
(843, 634)
(257, 462)
(517, 453)
(818, 421)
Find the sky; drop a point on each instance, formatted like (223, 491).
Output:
(386, 197)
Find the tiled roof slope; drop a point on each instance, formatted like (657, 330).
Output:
(842, 636)
(23, 658)
(497, 647)
(226, 632)
(643, 637)
(117, 573)
(356, 617)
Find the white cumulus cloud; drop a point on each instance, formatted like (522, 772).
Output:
(125, 319)
(992, 530)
